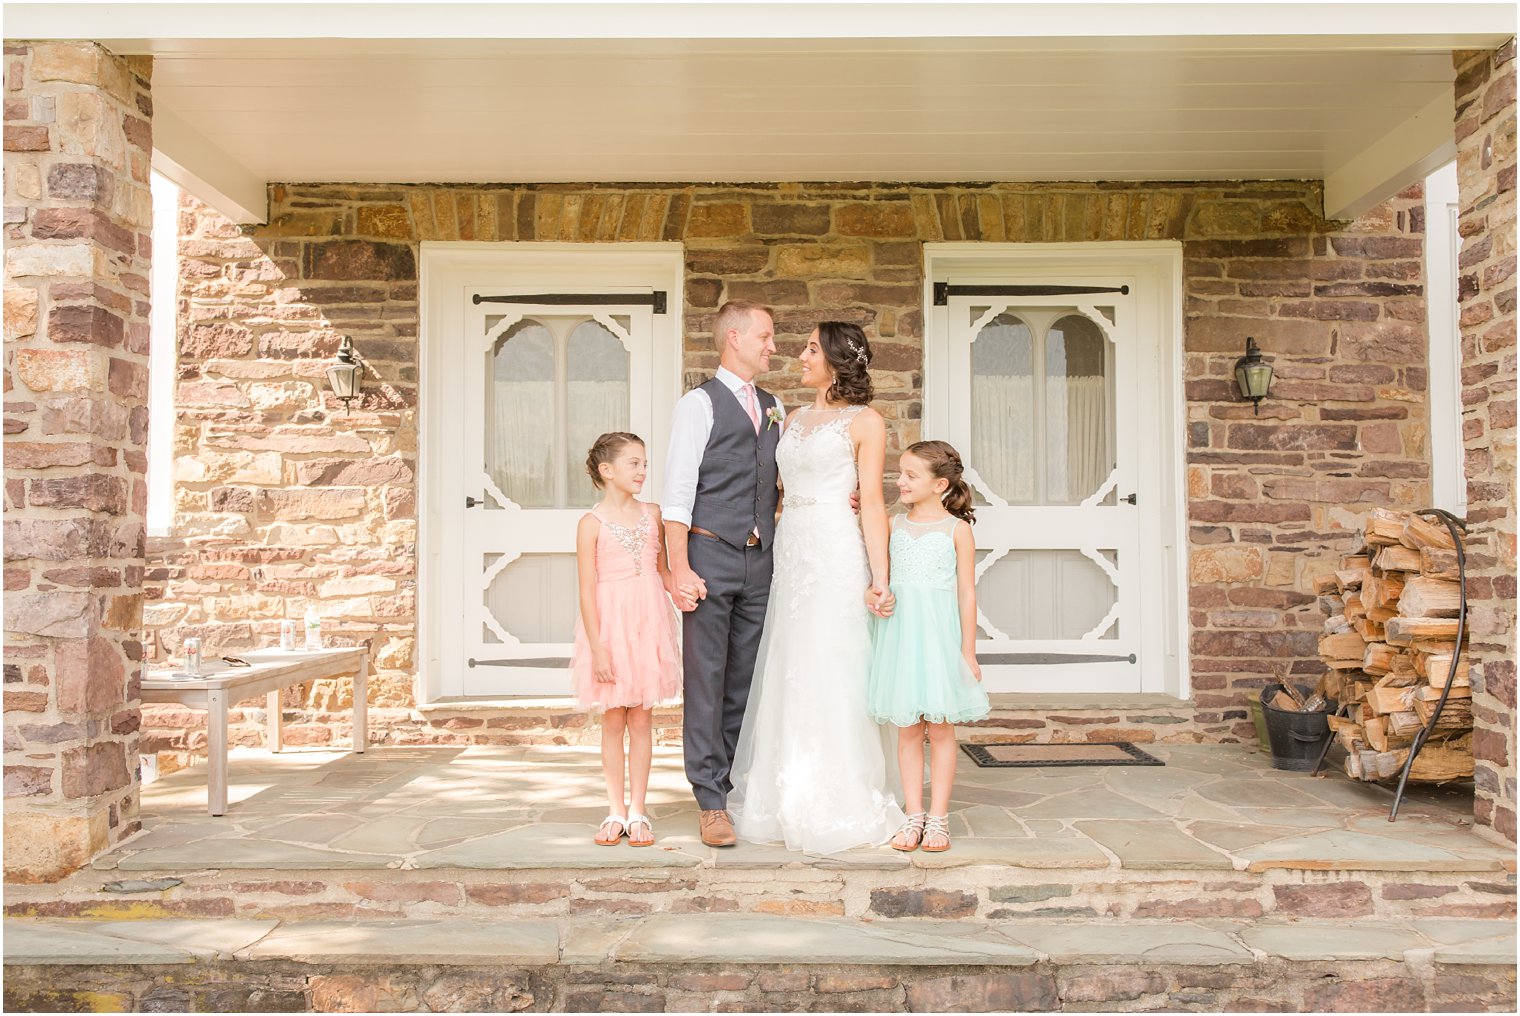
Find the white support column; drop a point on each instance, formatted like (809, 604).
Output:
(1448, 468)
(163, 355)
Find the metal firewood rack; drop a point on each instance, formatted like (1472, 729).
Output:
(1456, 527)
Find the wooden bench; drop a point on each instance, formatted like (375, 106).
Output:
(271, 671)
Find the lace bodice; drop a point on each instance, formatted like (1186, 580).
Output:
(817, 457)
(923, 553)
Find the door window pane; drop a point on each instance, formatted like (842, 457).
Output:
(1041, 406)
(520, 414)
(533, 599)
(1002, 408)
(1078, 445)
(596, 398)
(1047, 594)
(554, 384)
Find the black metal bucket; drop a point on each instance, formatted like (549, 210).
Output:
(1296, 738)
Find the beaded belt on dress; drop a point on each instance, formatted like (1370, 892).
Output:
(799, 501)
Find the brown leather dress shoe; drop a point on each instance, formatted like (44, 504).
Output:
(718, 829)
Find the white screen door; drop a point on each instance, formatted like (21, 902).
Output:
(541, 382)
(529, 351)
(1041, 404)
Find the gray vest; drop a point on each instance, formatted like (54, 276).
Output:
(736, 484)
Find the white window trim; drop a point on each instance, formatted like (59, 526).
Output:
(446, 269)
(1448, 453)
(1159, 263)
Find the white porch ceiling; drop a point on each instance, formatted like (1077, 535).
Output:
(1362, 100)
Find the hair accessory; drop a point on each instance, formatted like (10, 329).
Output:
(858, 350)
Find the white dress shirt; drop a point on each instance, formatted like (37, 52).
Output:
(690, 426)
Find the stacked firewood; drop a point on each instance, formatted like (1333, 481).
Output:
(1390, 633)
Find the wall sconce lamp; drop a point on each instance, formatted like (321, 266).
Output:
(1253, 375)
(344, 374)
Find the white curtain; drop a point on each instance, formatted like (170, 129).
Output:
(520, 441)
(1075, 436)
(520, 446)
(596, 408)
(1003, 434)
(1088, 460)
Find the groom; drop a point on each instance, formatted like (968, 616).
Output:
(720, 515)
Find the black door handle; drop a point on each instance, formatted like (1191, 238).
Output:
(470, 502)
(1130, 499)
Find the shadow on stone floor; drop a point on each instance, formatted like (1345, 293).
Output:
(1210, 807)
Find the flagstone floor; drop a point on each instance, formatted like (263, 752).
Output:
(1210, 807)
(465, 879)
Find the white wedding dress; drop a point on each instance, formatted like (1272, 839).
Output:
(812, 769)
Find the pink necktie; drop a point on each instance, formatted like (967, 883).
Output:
(751, 406)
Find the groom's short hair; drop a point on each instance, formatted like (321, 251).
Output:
(735, 314)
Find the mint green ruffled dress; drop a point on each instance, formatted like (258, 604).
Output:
(917, 670)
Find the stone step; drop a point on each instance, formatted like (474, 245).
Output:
(703, 962)
(476, 832)
(622, 882)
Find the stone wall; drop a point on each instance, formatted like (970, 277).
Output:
(1197, 982)
(282, 501)
(78, 140)
(1486, 171)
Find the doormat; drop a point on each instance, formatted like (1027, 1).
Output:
(1102, 753)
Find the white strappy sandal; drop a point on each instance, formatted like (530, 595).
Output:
(609, 839)
(914, 827)
(936, 825)
(635, 819)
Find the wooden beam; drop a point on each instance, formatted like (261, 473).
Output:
(184, 155)
(1409, 153)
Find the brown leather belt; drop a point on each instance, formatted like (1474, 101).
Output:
(753, 541)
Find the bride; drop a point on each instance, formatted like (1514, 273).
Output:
(810, 769)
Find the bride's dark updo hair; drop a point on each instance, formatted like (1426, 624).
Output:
(846, 348)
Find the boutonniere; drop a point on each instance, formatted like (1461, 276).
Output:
(773, 417)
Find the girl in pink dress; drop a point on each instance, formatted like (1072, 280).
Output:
(627, 656)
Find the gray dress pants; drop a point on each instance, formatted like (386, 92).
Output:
(721, 638)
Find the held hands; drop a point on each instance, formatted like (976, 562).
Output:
(880, 601)
(694, 592)
(686, 588)
(601, 665)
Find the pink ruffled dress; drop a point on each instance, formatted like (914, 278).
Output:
(638, 623)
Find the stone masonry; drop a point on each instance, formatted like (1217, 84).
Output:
(281, 501)
(78, 141)
(1485, 131)
(308, 983)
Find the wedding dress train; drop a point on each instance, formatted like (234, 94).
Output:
(812, 769)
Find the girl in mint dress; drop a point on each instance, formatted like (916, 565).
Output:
(924, 674)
